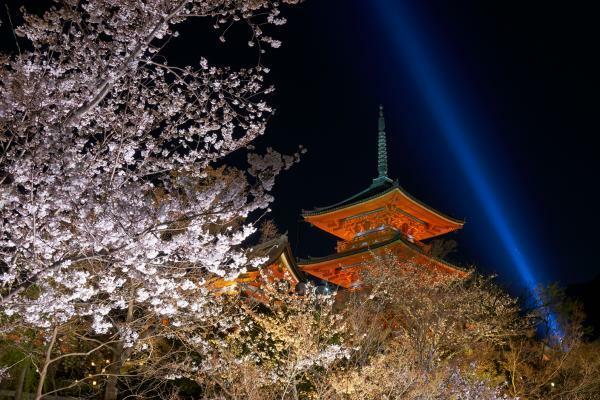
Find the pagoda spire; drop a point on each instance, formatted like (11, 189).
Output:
(382, 166)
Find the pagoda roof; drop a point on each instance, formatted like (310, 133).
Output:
(376, 189)
(428, 221)
(399, 238)
(348, 260)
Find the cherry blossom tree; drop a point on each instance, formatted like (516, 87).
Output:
(413, 330)
(114, 193)
(272, 342)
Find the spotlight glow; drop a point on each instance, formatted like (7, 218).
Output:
(413, 52)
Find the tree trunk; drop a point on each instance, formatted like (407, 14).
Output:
(47, 361)
(21, 381)
(112, 391)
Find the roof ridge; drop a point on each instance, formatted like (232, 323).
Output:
(339, 204)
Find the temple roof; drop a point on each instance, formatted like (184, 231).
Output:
(342, 268)
(304, 262)
(277, 253)
(273, 250)
(382, 204)
(374, 191)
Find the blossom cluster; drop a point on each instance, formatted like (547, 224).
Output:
(109, 190)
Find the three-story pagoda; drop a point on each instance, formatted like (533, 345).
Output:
(381, 219)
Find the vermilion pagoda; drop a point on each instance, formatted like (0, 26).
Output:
(382, 219)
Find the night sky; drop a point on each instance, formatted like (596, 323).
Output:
(519, 72)
(522, 74)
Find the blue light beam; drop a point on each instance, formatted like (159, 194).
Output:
(412, 52)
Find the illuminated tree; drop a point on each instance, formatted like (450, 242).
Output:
(415, 329)
(274, 343)
(563, 367)
(109, 202)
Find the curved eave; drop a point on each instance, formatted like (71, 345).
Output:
(276, 250)
(332, 209)
(292, 266)
(312, 262)
(347, 202)
(283, 252)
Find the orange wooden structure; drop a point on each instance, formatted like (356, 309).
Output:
(383, 218)
(280, 264)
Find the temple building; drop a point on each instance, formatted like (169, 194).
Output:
(383, 219)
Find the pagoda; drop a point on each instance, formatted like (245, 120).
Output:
(382, 219)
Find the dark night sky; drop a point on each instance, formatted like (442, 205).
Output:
(522, 72)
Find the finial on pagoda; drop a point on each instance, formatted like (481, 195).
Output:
(382, 166)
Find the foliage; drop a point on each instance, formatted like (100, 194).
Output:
(116, 202)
